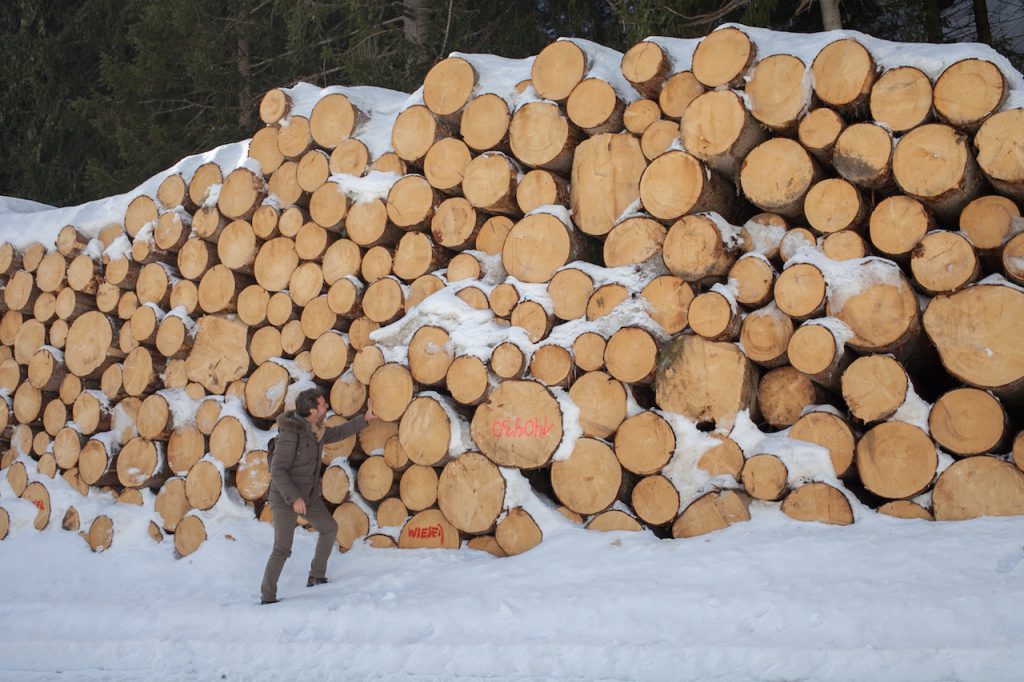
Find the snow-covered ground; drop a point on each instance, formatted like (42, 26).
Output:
(772, 599)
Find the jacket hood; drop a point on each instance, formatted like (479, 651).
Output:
(290, 421)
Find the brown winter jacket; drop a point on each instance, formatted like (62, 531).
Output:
(295, 466)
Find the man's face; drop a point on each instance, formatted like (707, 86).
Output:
(320, 410)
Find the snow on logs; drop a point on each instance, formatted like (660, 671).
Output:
(661, 285)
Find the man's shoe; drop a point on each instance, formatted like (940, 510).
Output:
(269, 601)
(313, 582)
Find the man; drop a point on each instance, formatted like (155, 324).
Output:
(295, 485)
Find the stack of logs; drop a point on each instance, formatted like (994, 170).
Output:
(780, 235)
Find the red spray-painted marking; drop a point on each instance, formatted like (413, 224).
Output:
(39, 503)
(532, 428)
(428, 532)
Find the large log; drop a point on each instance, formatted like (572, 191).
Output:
(896, 460)
(977, 333)
(978, 486)
(706, 381)
(471, 493)
(519, 424)
(606, 172)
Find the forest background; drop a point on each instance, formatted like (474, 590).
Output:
(98, 95)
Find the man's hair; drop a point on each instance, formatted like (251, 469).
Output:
(307, 400)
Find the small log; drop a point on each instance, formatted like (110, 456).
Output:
(140, 213)
(764, 477)
(353, 523)
(777, 91)
(328, 205)
(445, 164)
(631, 355)
(818, 502)
(676, 184)
(541, 188)
(711, 512)
(776, 176)
(933, 164)
(599, 196)
(426, 427)
(696, 250)
(208, 223)
(863, 155)
(467, 380)
(517, 532)
(36, 493)
(897, 225)
(534, 318)
(82, 274)
(874, 387)
(141, 464)
(418, 487)
(815, 350)
(429, 358)
(676, 94)
(834, 205)
(429, 529)
(101, 534)
(595, 107)
(588, 351)
(294, 137)
(375, 480)
(570, 289)
(905, 509)
(96, 465)
(644, 443)
(800, 291)
(539, 245)
(997, 142)
(541, 137)
(989, 222)
(590, 479)
(185, 446)
(350, 157)
(818, 131)
(969, 91)
(20, 293)
(196, 257)
(552, 366)
(1012, 260)
(714, 317)
(896, 460)
(968, 421)
(655, 500)
(901, 99)
(491, 182)
(843, 72)
(944, 262)
(415, 131)
(783, 394)
(754, 279)
(411, 202)
(336, 484)
(718, 129)
(765, 336)
(724, 459)
(613, 520)
(723, 58)
(669, 299)
(284, 185)
(646, 66)
(391, 390)
(241, 194)
(485, 122)
(455, 224)
(557, 69)
(189, 535)
(333, 119)
(263, 147)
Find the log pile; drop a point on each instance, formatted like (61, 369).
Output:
(598, 281)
